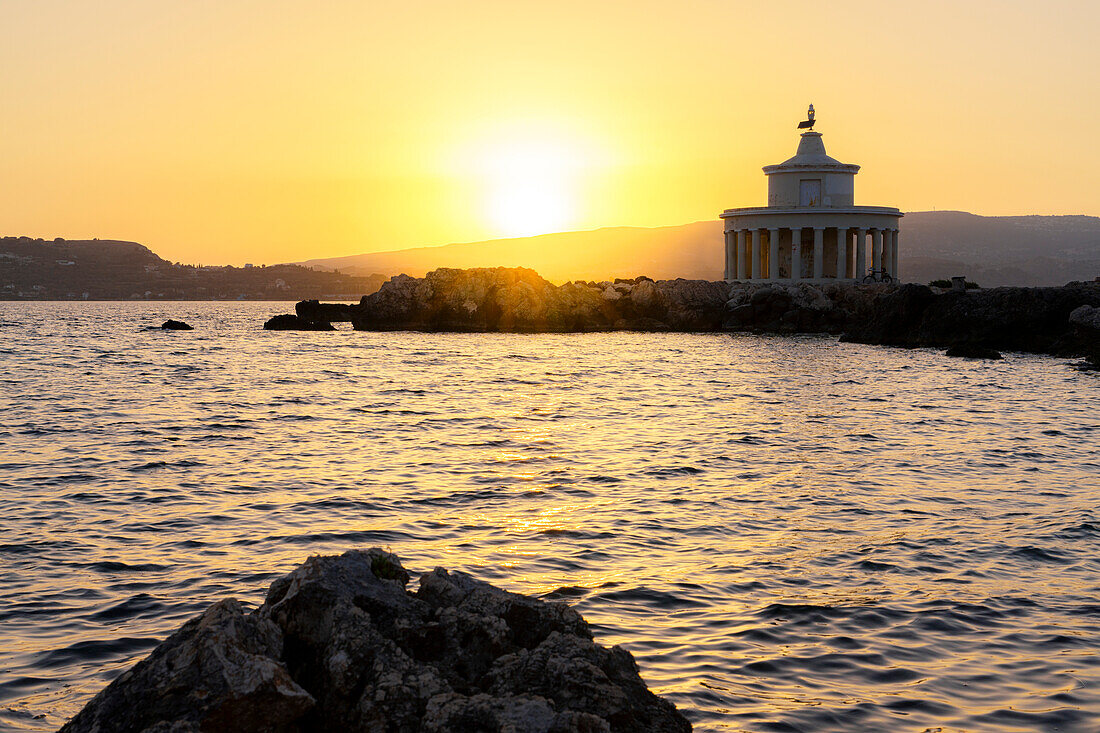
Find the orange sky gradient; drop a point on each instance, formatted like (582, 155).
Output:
(232, 131)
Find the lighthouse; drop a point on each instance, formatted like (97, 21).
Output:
(811, 230)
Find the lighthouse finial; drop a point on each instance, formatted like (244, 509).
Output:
(808, 123)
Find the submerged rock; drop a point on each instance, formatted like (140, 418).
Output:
(171, 325)
(340, 644)
(290, 322)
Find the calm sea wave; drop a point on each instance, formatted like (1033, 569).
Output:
(790, 534)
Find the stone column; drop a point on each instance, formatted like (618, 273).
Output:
(731, 239)
(861, 254)
(726, 248)
(773, 254)
(894, 248)
(819, 252)
(888, 251)
(796, 254)
(755, 254)
(841, 252)
(735, 264)
(742, 260)
(876, 250)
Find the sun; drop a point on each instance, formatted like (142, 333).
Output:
(531, 186)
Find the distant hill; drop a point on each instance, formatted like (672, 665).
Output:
(990, 250)
(36, 269)
(689, 251)
(1000, 250)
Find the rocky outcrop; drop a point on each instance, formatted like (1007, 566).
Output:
(171, 325)
(289, 322)
(798, 307)
(518, 300)
(316, 311)
(1008, 319)
(340, 644)
(1086, 321)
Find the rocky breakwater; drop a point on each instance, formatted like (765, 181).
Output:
(519, 300)
(779, 307)
(973, 323)
(341, 645)
(1034, 320)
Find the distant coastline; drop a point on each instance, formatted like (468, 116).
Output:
(59, 269)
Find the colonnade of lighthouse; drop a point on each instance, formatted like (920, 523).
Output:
(811, 228)
(799, 253)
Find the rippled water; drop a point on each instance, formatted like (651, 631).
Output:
(788, 533)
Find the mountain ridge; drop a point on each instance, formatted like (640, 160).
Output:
(1032, 249)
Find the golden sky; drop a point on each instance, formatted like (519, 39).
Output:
(226, 131)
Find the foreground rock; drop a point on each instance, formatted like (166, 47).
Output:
(289, 322)
(340, 645)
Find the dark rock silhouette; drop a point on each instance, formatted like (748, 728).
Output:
(288, 322)
(313, 310)
(340, 645)
(171, 325)
(973, 351)
(1086, 320)
(1007, 319)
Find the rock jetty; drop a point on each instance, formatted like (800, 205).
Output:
(341, 645)
(519, 300)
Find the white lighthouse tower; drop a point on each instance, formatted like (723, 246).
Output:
(811, 229)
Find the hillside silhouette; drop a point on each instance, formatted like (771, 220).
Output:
(991, 250)
(37, 269)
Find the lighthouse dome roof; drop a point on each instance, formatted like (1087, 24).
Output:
(811, 154)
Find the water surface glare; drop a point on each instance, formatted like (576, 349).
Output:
(790, 534)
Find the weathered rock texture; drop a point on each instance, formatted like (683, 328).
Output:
(517, 299)
(340, 645)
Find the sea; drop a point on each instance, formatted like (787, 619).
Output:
(788, 533)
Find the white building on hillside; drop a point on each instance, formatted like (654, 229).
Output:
(811, 229)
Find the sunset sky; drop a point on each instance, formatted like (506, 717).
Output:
(226, 131)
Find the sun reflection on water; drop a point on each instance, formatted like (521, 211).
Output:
(785, 532)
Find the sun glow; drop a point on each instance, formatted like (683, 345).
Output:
(532, 174)
(531, 183)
